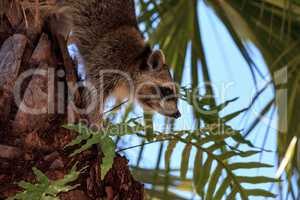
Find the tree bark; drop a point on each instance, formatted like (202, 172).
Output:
(28, 139)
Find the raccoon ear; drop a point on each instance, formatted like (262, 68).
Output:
(156, 59)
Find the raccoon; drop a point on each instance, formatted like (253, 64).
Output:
(117, 59)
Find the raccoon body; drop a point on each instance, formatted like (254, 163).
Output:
(117, 59)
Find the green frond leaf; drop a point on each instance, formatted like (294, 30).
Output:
(248, 165)
(185, 160)
(45, 188)
(222, 189)
(197, 166)
(204, 175)
(40, 176)
(256, 179)
(232, 194)
(91, 138)
(213, 182)
(233, 115)
(260, 192)
(171, 146)
(214, 138)
(227, 155)
(108, 149)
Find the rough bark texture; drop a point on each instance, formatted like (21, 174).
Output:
(28, 139)
(11, 55)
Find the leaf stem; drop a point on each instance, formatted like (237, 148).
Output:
(136, 146)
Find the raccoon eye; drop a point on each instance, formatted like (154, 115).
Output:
(165, 91)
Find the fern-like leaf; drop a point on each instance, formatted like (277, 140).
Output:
(46, 189)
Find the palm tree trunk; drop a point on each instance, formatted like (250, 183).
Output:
(31, 44)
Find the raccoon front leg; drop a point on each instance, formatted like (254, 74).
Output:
(96, 93)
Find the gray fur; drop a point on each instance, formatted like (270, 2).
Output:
(108, 38)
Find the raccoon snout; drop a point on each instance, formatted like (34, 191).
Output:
(176, 115)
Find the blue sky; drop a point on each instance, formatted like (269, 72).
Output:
(228, 70)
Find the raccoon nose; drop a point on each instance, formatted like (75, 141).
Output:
(176, 115)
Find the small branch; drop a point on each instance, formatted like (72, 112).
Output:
(115, 107)
(136, 146)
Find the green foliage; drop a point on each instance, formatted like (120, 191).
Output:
(216, 162)
(216, 159)
(108, 149)
(271, 25)
(212, 164)
(92, 138)
(46, 189)
(103, 137)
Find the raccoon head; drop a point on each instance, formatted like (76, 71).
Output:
(156, 89)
